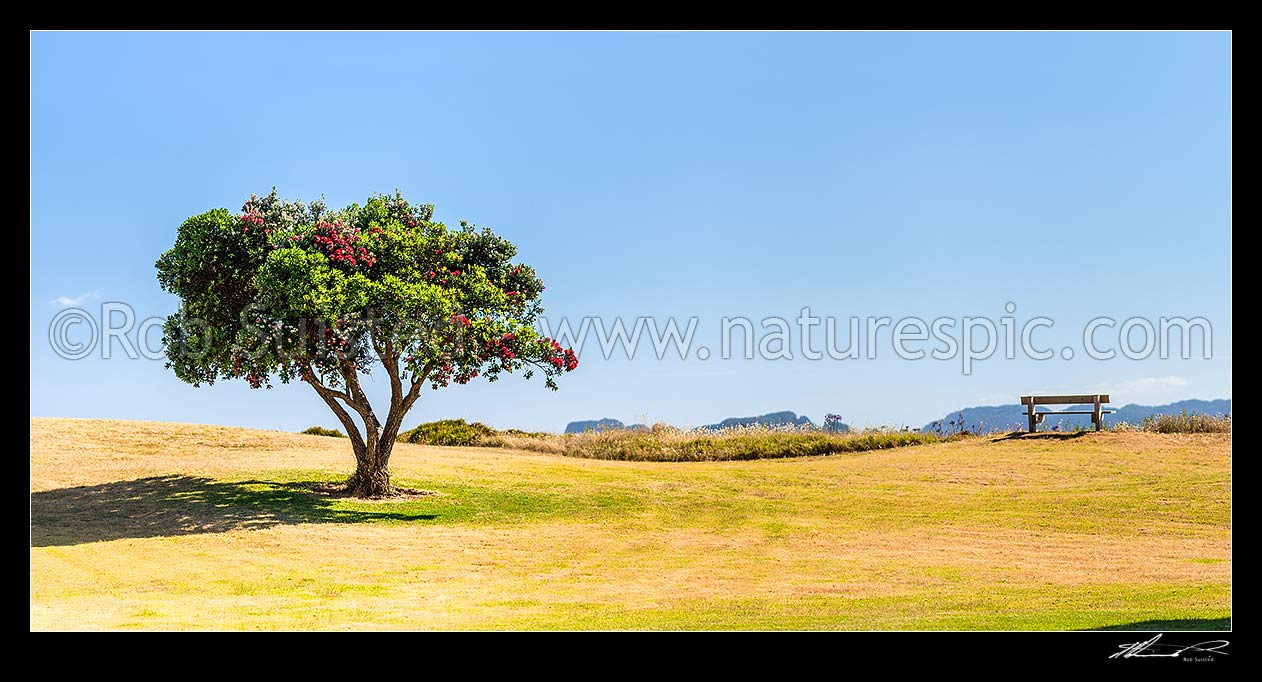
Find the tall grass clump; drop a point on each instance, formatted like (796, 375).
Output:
(663, 443)
(1185, 422)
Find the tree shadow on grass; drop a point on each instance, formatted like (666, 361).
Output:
(161, 506)
(1193, 624)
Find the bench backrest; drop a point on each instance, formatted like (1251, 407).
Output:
(1063, 399)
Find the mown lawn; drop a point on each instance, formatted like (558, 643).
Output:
(145, 525)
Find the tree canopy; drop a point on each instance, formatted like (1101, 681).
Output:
(285, 290)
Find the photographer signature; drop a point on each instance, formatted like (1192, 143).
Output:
(1153, 649)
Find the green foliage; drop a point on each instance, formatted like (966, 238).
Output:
(284, 289)
(321, 431)
(1187, 422)
(448, 432)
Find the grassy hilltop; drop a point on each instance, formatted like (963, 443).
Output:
(141, 525)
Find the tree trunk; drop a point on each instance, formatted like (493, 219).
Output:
(372, 471)
(372, 447)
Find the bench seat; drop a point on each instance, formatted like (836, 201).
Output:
(1096, 400)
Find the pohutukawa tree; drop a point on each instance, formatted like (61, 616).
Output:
(291, 291)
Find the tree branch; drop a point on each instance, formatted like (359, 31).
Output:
(332, 391)
(415, 391)
(390, 361)
(350, 374)
(383, 352)
(330, 397)
(399, 403)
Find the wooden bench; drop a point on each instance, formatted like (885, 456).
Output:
(1096, 400)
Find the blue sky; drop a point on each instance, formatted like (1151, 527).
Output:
(667, 174)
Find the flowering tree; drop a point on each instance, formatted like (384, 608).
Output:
(285, 291)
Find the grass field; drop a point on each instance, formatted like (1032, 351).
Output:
(145, 525)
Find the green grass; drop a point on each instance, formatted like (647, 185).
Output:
(1043, 608)
(176, 505)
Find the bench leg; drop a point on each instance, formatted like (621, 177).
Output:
(1030, 415)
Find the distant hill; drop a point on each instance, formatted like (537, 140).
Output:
(785, 418)
(605, 424)
(1011, 417)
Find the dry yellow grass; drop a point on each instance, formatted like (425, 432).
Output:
(196, 527)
